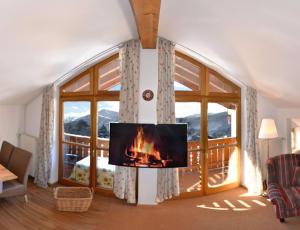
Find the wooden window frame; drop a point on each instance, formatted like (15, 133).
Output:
(93, 96)
(204, 97)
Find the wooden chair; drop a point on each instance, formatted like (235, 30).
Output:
(19, 164)
(5, 153)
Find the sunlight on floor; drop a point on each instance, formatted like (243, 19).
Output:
(216, 205)
(244, 203)
(259, 203)
(194, 187)
(227, 205)
(203, 206)
(212, 180)
(218, 176)
(247, 194)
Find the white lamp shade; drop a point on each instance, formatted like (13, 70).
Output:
(267, 129)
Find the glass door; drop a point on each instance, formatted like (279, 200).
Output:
(107, 112)
(76, 142)
(222, 155)
(191, 177)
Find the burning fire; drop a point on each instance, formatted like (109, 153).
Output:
(143, 150)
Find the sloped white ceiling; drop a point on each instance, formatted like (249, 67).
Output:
(42, 40)
(257, 42)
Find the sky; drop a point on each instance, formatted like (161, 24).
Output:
(178, 86)
(76, 109)
(183, 109)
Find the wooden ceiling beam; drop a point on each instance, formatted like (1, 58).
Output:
(146, 13)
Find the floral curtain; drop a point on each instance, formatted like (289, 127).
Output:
(167, 179)
(253, 175)
(125, 177)
(45, 141)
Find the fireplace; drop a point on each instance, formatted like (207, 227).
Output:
(148, 145)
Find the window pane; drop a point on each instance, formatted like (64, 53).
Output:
(222, 144)
(186, 74)
(77, 119)
(178, 86)
(77, 137)
(108, 111)
(80, 85)
(189, 113)
(221, 120)
(109, 76)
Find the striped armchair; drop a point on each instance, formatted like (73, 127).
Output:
(283, 185)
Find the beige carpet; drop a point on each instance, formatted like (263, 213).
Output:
(227, 210)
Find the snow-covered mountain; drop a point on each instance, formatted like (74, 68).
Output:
(217, 124)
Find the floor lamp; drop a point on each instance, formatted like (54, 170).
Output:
(267, 132)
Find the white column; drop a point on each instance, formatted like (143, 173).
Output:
(147, 181)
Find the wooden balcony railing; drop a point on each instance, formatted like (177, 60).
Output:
(219, 150)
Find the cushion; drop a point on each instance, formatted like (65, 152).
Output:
(5, 153)
(19, 164)
(12, 188)
(296, 177)
(291, 197)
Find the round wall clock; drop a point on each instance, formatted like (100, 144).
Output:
(148, 95)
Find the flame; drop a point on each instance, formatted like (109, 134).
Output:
(142, 149)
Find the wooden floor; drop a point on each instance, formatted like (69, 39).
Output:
(228, 210)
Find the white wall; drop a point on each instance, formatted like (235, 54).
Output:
(33, 116)
(282, 118)
(11, 123)
(285, 116)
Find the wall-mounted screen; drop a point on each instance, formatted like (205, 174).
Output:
(148, 145)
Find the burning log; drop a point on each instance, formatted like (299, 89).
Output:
(143, 152)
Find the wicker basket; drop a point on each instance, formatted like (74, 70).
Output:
(73, 199)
